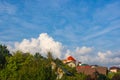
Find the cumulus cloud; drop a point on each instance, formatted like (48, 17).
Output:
(68, 53)
(108, 58)
(89, 56)
(83, 50)
(103, 55)
(45, 43)
(80, 53)
(42, 44)
(28, 45)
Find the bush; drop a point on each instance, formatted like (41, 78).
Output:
(116, 77)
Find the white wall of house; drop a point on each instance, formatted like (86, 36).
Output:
(113, 70)
(71, 64)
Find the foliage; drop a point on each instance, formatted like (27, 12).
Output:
(110, 75)
(24, 66)
(49, 56)
(102, 77)
(116, 76)
(4, 52)
(76, 76)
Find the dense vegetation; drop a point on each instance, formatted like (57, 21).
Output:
(24, 66)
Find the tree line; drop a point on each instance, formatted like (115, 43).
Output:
(25, 66)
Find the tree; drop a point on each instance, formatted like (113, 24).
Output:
(49, 56)
(4, 52)
(38, 56)
(13, 69)
(116, 76)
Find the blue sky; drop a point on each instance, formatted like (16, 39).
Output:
(91, 23)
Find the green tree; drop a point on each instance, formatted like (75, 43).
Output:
(3, 53)
(110, 75)
(116, 76)
(14, 65)
(38, 56)
(49, 56)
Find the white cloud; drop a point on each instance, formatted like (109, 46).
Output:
(28, 45)
(68, 53)
(103, 56)
(108, 58)
(87, 55)
(83, 50)
(45, 43)
(80, 53)
(42, 44)
(48, 44)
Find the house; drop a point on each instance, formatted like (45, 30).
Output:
(70, 61)
(79, 63)
(92, 71)
(85, 69)
(114, 69)
(102, 70)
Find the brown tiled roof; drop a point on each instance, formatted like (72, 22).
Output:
(102, 70)
(87, 71)
(114, 67)
(91, 71)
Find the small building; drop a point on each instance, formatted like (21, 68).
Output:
(114, 69)
(70, 61)
(102, 70)
(92, 71)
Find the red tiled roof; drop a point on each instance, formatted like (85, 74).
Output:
(71, 58)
